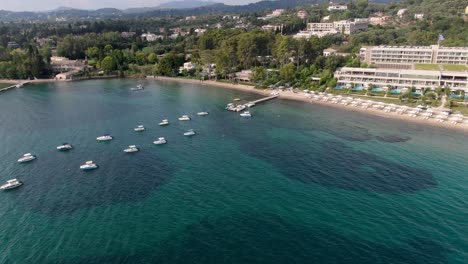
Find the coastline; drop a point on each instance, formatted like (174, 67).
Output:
(301, 96)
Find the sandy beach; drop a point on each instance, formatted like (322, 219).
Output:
(303, 97)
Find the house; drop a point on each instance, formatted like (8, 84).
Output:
(42, 41)
(328, 52)
(12, 45)
(187, 67)
(127, 34)
(401, 12)
(302, 14)
(379, 20)
(337, 7)
(150, 37)
(243, 76)
(418, 16)
(275, 13)
(200, 31)
(62, 64)
(272, 27)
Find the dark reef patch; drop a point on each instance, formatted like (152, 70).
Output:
(393, 138)
(118, 180)
(264, 238)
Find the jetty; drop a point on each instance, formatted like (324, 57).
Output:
(240, 107)
(261, 100)
(13, 86)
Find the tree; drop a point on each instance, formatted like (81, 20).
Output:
(259, 74)
(287, 72)
(152, 58)
(108, 64)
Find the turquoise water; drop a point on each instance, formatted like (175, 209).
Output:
(296, 183)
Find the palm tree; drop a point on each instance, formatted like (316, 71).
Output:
(369, 89)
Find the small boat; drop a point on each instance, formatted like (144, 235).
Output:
(27, 157)
(64, 147)
(250, 104)
(164, 122)
(160, 141)
(138, 88)
(106, 137)
(89, 165)
(184, 118)
(229, 106)
(189, 133)
(131, 148)
(202, 113)
(10, 184)
(237, 99)
(246, 114)
(139, 128)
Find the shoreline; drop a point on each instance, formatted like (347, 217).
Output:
(284, 95)
(301, 97)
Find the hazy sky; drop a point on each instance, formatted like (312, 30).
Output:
(42, 5)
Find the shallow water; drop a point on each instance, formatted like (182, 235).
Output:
(297, 183)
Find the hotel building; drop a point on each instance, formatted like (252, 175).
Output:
(408, 55)
(401, 79)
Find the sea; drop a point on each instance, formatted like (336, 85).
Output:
(295, 183)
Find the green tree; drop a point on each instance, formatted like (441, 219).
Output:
(259, 74)
(287, 72)
(108, 64)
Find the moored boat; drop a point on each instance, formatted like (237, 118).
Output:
(202, 113)
(131, 149)
(160, 141)
(246, 114)
(139, 128)
(64, 147)
(189, 133)
(10, 184)
(184, 118)
(89, 165)
(164, 122)
(105, 137)
(26, 158)
(138, 88)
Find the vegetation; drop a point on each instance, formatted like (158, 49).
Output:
(275, 58)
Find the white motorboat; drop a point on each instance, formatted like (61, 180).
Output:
(89, 165)
(10, 184)
(64, 147)
(131, 148)
(229, 106)
(106, 137)
(250, 104)
(138, 88)
(246, 114)
(184, 118)
(202, 113)
(27, 157)
(164, 122)
(160, 141)
(139, 128)
(189, 133)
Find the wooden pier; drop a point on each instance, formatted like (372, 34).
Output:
(13, 86)
(240, 107)
(261, 100)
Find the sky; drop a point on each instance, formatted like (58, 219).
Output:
(44, 5)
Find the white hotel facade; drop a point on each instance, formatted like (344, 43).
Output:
(401, 79)
(409, 55)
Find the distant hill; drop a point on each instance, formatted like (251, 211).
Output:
(185, 4)
(183, 7)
